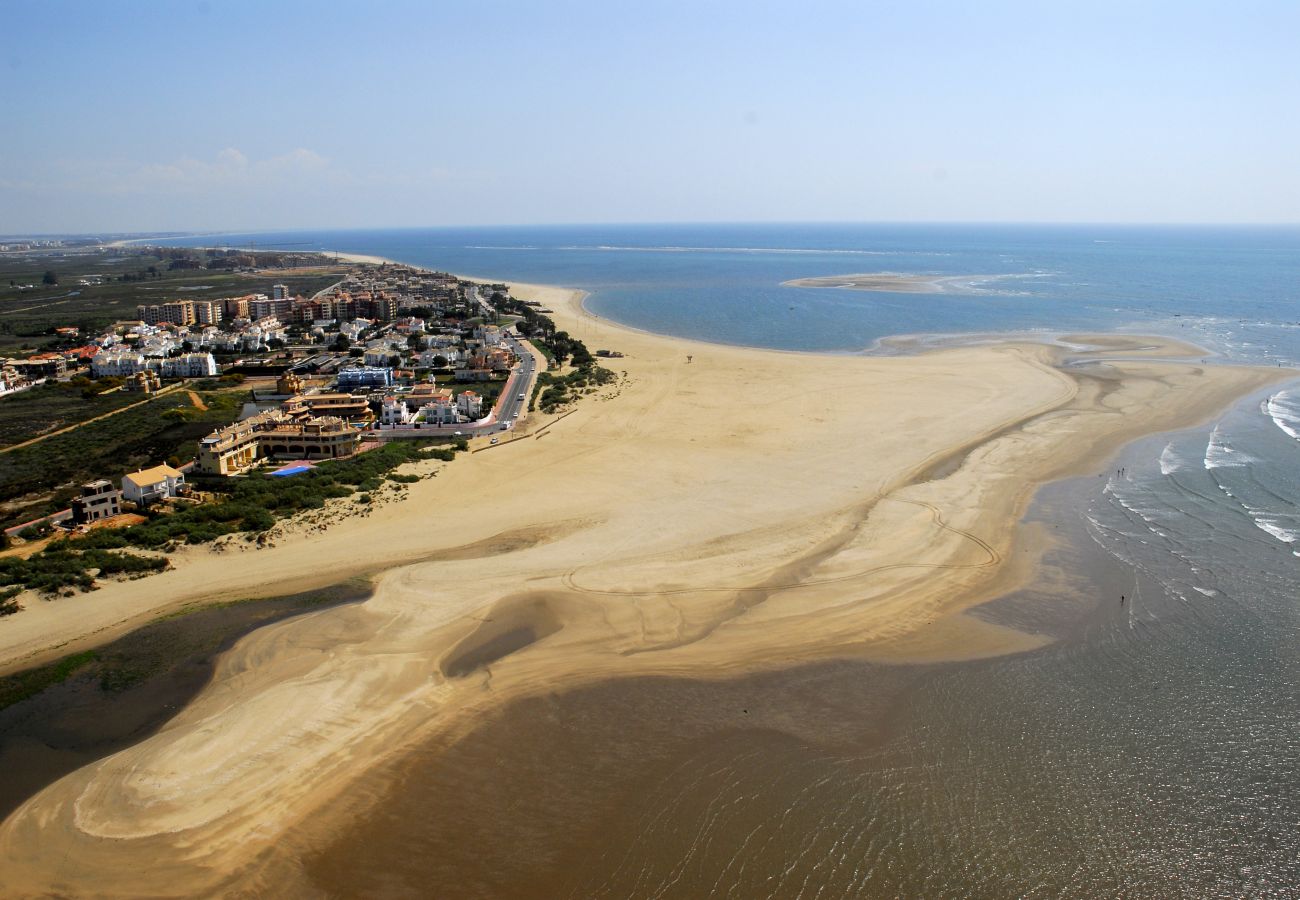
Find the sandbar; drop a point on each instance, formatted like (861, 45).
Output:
(896, 283)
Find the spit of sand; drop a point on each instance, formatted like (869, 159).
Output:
(719, 511)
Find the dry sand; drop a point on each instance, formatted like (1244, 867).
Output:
(746, 510)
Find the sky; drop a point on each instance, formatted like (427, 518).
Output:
(211, 115)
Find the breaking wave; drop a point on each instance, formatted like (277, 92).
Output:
(1284, 409)
(1219, 454)
(1170, 461)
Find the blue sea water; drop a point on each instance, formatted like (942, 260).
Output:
(1234, 290)
(1156, 753)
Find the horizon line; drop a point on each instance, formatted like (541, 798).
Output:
(177, 233)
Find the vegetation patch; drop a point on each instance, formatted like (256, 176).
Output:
(60, 567)
(250, 504)
(559, 390)
(42, 478)
(15, 688)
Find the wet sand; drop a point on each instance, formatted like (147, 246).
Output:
(129, 689)
(745, 514)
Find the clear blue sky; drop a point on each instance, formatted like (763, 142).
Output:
(133, 116)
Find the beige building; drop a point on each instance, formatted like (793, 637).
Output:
(288, 383)
(292, 433)
(345, 406)
(145, 382)
(181, 312)
(327, 437)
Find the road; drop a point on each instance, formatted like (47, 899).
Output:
(512, 404)
(520, 386)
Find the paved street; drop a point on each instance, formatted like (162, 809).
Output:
(514, 397)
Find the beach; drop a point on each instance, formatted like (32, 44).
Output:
(719, 513)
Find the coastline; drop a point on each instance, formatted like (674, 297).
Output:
(685, 573)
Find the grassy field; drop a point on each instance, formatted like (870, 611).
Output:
(29, 314)
(488, 390)
(52, 406)
(44, 477)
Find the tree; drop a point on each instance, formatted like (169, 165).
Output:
(440, 361)
(342, 343)
(51, 277)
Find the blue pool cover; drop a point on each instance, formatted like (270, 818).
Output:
(290, 470)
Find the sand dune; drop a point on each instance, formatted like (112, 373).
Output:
(744, 510)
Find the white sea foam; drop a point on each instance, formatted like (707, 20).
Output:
(1282, 526)
(1209, 592)
(1170, 461)
(1219, 454)
(1284, 409)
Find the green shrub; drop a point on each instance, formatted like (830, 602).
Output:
(36, 532)
(8, 605)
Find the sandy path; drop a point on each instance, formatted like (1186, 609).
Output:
(747, 510)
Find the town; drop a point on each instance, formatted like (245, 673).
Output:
(385, 354)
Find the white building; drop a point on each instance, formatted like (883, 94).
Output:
(352, 330)
(470, 404)
(159, 345)
(116, 363)
(189, 365)
(394, 412)
(378, 356)
(438, 340)
(490, 335)
(149, 485)
(440, 412)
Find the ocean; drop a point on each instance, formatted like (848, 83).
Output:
(1234, 290)
(1152, 750)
